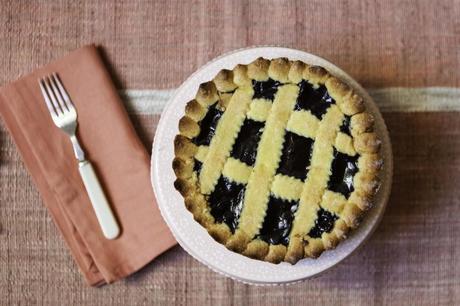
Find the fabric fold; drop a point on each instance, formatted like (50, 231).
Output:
(111, 144)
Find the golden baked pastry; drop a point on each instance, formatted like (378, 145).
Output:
(277, 159)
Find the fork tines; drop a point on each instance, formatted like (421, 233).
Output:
(56, 98)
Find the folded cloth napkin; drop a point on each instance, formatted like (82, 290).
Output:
(116, 153)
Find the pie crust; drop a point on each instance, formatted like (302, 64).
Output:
(277, 159)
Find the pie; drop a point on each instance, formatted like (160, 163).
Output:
(277, 159)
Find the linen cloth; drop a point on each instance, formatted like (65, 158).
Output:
(114, 149)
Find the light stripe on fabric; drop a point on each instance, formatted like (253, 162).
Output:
(391, 99)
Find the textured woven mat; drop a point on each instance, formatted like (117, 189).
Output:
(413, 256)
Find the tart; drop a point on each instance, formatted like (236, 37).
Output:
(277, 159)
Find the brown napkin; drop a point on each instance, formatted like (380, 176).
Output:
(116, 152)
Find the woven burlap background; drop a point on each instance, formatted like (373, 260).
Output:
(412, 259)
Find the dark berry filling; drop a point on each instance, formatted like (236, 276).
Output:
(265, 89)
(316, 100)
(278, 221)
(344, 168)
(295, 157)
(245, 148)
(345, 127)
(208, 126)
(226, 202)
(197, 166)
(324, 223)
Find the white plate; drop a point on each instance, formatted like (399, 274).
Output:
(194, 238)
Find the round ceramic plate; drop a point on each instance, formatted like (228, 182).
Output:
(194, 238)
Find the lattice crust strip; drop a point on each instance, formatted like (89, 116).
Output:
(221, 144)
(316, 182)
(271, 93)
(268, 155)
(344, 143)
(303, 123)
(237, 171)
(287, 187)
(259, 109)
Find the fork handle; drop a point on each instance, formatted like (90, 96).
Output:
(101, 206)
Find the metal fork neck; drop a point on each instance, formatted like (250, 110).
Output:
(79, 154)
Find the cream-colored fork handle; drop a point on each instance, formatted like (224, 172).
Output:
(100, 204)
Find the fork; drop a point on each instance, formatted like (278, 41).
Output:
(64, 116)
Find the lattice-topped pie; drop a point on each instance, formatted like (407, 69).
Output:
(277, 159)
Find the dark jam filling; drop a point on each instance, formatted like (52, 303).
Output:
(316, 100)
(344, 168)
(197, 166)
(226, 202)
(245, 148)
(324, 223)
(296, 156)
(278, 221)
(345, 127)
(208, 126)
(265, 89)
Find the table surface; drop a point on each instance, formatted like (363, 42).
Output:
(411, 258)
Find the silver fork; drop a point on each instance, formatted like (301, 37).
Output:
(64, 116)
